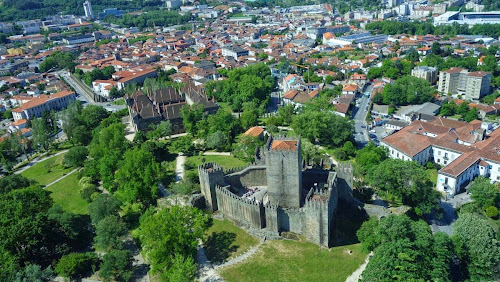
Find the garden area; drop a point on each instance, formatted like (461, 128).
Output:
(65, 194)
(224, 241)
(226, 162)
(289, 260)
(48, 170)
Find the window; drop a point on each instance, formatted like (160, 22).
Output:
(445, 162)
(445, 155)
(439, 153)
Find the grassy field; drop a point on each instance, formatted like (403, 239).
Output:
(47, 171)
(289, 260)
(224, 161)
(432, 175)
(65, 194)
(225, 240)
(225, 106)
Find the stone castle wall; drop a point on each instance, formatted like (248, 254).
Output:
(244, 211)
(210, 175)
(248, 177)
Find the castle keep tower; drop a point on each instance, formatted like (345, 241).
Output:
(284, 172)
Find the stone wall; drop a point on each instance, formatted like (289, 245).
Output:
(210, 175)
(248, 177)
(244, 211)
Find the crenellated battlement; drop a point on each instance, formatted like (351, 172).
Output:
(210, 168)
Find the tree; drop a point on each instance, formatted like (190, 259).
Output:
(436, 48)
(244, 149)
(477, 245)
(171, 232)
(286, 113)
(250, 115)
(463, 108)
(408, 90)
(137, 179)
(191, 115)
(402, 250)
(76, 264)
(447, 108)
(7, 114)
(116, 265)
(13, 182)
(34, 273)
(163, 129)
(315, 123)
(114, 93)
(471, 115)
(109, 232)
(441, 262)
(405, 182)
(104, 205)
(183, 269)
(218, 141)
(76, 156)
(368, 158)
(484, 193)
(41, 133)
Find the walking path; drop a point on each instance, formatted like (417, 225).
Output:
(208, 272)
(356, 275)
(37, 160)
(217, 153)
(179, 167)
(62, 177)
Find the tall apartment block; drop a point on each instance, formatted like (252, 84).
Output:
(458, 81)
(427, 73)
(87, 7)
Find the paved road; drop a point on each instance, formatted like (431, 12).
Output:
(179, 168)
(444, 224)
(37, 160)
(361, 134)
(85, 94)
(356, 275)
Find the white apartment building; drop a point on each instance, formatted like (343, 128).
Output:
(461, 148)
(458, 81)
(425, 72)
(35, 107)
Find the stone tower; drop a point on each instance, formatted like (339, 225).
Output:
(211, 175)
(284, 171)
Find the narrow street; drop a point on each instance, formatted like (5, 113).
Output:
(360, 112)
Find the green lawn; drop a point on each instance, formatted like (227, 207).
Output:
(225, 240)
(432, 175)
(224, 161)
(119, 101)
(47, 171)
(65, 194)
(289, 260)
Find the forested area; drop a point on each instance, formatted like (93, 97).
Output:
(423, 28)
(253, 83)
(30, 9)
(150, 19)
(407, 90)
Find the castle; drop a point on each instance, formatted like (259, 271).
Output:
(275, 194)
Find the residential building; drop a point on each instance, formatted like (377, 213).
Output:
(87, 7)
(457, 81)
(425, 72)
(111, 12)
(36, 106)
(79, 39)
(234, 52)
(463, 149)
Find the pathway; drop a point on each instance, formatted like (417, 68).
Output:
(217, 153)
(208, 272)
(37, 160)
(179, 167)
(356, 275)
(62, 177)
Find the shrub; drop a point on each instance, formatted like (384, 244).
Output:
(492, 211)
